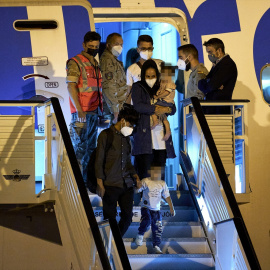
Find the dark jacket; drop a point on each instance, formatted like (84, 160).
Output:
(223, 73)
(142, 134)
(114, 166)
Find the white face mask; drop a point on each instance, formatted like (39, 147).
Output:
(126, 131)
(181, 64)
(146, 55)
(151, 82)
(117, 50)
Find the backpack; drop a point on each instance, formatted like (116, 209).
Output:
(91, 182)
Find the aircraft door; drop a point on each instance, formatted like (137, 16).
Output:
(39, 39)
(166, 42)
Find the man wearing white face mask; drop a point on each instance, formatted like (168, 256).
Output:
(188, 59)
(145, 49)
(116, 177)
(114, 86)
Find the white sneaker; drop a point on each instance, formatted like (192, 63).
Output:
(139, 239)
(157, 250)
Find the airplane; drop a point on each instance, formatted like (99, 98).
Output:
(38, 37)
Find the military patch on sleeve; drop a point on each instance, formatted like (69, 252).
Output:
(109, 75)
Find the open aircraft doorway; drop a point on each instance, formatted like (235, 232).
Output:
(166, 40)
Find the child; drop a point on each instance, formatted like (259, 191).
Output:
(153, 189)
(164, 97)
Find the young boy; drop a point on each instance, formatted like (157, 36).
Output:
(153, 190)
(164, 97)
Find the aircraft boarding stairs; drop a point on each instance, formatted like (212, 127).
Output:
(183, 240)
(59, 228)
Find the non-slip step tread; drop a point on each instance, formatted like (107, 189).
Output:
(173, 223)
(165, 207)
(184, 239)
(197, 255)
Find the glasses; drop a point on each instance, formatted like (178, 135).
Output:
(143, 49)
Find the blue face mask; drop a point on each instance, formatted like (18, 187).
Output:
(212, 58)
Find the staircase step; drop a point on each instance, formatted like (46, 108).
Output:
(174, 261)
(183, 213)
(181, 198)
(193, 245)
(94, 199)
(170, 229)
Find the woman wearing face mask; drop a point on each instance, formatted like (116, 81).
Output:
(149, 146)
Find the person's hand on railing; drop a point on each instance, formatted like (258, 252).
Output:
(100, 188)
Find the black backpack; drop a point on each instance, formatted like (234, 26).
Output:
(91, 182)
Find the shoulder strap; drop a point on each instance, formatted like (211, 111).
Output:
(109, 140)
(139, 64)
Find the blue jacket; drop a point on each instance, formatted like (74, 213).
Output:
(142, 133)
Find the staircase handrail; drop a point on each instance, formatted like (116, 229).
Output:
(54, 102)
(80, 183)
(76, 170)
(85, 197)
(237, 216)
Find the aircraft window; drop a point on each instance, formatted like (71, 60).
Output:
(265, 82)
(27, 25)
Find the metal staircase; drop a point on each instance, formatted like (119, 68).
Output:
(212, 172)
(55, 228)
(184, 244)
(191, 240)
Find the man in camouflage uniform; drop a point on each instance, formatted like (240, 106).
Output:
(189, 54)
(114, 86)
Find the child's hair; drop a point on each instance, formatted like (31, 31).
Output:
(156, 166)
(167, 70)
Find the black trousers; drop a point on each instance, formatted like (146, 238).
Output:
(143, 162)
(124, 197)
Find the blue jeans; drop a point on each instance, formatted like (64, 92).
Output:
(154, 218)
(84, 139)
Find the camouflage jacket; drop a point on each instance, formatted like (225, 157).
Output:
(114, 86)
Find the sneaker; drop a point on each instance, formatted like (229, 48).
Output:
(157, 250)
(139, 240)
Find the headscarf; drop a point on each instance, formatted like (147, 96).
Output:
(146, 65)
